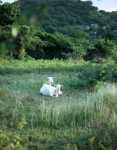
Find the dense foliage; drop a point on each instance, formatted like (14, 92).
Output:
(8, 14)
(89, 34)
(35, 44)
(49, 46)
(67, 16)
(85, 39)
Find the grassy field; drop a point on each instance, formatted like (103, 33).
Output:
(76, 120)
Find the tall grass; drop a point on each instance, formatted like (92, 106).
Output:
(28, 66)
(65, 116)
(80, 116)
(83, 111)
(89, 111)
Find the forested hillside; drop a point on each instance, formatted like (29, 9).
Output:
(69, 16)
(57, 29)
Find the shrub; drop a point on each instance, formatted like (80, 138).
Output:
(80, 47)
(48, 46)
(87, 76)
(10, 141)
(8, 13)
(21, 41)
(56, 45)
(102, 49)
(6, 41)
(35, 48)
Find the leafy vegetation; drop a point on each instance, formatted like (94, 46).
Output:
(89, 35)
(8, 14)
(67, 16)
(76, 44)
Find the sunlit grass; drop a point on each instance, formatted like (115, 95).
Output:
(78, 114)
(76, 108)
(14, 66)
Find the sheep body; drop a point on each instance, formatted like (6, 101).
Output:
(48, 90)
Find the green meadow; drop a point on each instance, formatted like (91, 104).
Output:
(84, 117)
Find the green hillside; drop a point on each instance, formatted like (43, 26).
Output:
(57, 29)
(68, 16)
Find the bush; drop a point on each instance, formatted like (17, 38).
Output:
(56, 45)
(90, 74)
(102, 49)
(49, 46)
(10, 141)
(8, 13)
(80, 47)
(35, 48)
(87, 76)
(21, 41)
(6, 41)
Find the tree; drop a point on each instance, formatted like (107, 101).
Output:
(102, 49)
(8, 13)
(21, 41)
(49, 46)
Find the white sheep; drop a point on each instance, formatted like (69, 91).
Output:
(49, 90)
(58, 91)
